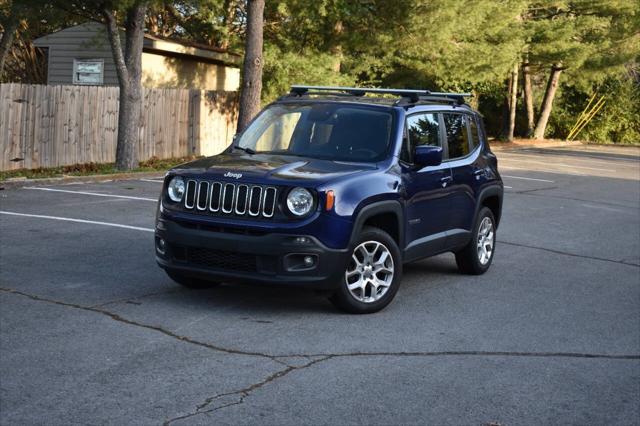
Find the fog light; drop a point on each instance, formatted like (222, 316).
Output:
(301, 240)
(160, 245)
(300, 262)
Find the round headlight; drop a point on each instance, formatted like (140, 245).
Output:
(176, 189)
(299, 201)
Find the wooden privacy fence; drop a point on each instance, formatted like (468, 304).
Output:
(48, 126)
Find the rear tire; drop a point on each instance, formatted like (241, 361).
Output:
(476, 257)
(190, 282)
(372, 275)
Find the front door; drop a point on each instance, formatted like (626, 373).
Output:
(426, 189)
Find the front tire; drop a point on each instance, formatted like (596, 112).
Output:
(372, 275)
(476, 257)
(190, 282)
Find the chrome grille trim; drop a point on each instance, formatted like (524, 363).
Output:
(224, 197)
(264, 201)
(213, 186)
(203, 198)
(259, 188)
(206, 196)
(246, 195)
(190, 184)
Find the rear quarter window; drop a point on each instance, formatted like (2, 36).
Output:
(475, 132)
(457, 135)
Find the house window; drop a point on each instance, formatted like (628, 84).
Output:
(88, 71)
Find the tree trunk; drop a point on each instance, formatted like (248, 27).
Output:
(252, 67)
(513, 99)
(7, 39)
(547, 102)
(528, 98)
(129, 69)
(336, 50)
(506, 110)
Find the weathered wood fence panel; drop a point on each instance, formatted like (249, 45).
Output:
(48, 126)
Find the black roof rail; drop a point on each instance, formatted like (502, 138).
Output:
(412, 95)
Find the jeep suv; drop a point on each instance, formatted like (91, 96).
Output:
(336, 188)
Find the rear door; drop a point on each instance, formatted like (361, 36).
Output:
(466, 169)
(426, 188)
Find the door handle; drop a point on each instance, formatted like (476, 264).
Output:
(479, 173)
(445, 180)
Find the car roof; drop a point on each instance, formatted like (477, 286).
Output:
(387, 102)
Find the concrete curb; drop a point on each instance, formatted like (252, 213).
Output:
(506, 146)
(21, 183)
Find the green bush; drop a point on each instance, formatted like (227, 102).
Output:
(616, 122)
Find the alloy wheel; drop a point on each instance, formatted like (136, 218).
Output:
(370, 272)
(485, 241)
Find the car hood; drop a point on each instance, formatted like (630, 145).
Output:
(277, 167)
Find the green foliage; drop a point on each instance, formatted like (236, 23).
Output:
(591, 39)
(616, 122)
(282, 69)
(435, 44)
(460, 44)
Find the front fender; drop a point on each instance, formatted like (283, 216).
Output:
(359, 198)
(379, 207)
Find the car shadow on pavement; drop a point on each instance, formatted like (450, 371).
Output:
(257, 299)
(443, 264)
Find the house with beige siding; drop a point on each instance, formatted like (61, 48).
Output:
(82, 55)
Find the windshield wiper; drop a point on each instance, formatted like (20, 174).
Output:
(247, 150)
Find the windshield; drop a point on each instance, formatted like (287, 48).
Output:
(326, 131)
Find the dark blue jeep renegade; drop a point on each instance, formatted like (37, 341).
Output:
(334, 188)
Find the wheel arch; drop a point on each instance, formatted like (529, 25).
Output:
(490, 197)
(386, 215)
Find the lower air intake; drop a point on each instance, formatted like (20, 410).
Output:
(221, 259)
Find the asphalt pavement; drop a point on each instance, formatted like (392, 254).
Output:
(93, 332)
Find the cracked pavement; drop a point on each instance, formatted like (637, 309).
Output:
(92, 332)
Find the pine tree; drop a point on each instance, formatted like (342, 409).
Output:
(582, 39)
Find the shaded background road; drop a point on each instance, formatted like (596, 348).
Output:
(92, 331)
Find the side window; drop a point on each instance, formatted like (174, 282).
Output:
(422, 129)
(475, 133)
(457, 135)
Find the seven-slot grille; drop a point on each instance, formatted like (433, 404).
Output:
(230, 198)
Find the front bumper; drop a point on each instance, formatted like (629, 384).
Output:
(226, 254)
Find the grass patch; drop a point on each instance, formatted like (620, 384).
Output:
(88, 169)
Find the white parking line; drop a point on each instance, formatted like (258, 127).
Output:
(152, 180)
(508, 187)
(526, 178)
(555, 172)
(95, 194)
(68, 219)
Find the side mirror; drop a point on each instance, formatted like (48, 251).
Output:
(427, 155)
